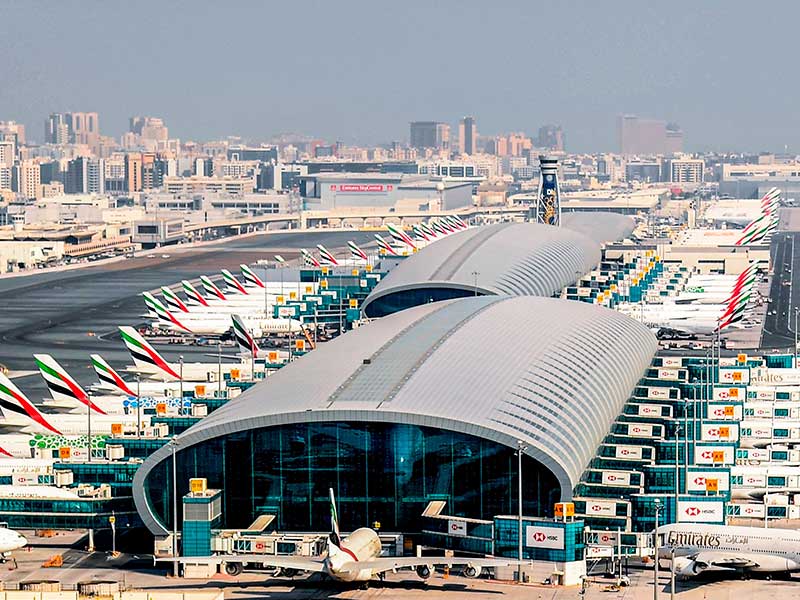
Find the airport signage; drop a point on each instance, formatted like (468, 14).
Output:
(540, 536)
(675, 362)
(761, 393)
(24, 479)
(730, 393)
(754, 511)
(691, 511)
(456, 527)
(669, 374)
(753, 454)
(700, 481)
(640, 430)
(713, 455)
(629, 452)
(650, 410)
(725, 412)
(711, 432)
(658, 393)
(780, 376)
(761, 411)
(601, 508)
(361, 188)
(734, 376)
(616, 478)
(607, 538)
(754, 480)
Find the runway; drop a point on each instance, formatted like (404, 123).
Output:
(71, 314)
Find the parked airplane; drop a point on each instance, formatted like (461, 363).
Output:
(21, 415)
(149, 363)
(65, 392)
(10, 540)
(219, 323)
(112, 382)
(24, 445)
(355, 558)
(699, 548)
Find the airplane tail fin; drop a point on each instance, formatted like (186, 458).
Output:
(386, 246)
(173, 301)
(63, 388)
(162, 313)
(355, 251)
(335, 536)
(212, 291)
(194, 296)
(109, 377)
(400, 235)
(13, 400)
(144, 355)
(327, 256)
(250, 278)
(233, 283)
(308, 259)
(244, 338)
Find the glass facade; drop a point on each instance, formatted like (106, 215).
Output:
(380, 472)
(397, 301)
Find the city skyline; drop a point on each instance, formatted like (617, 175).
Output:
(366, 88)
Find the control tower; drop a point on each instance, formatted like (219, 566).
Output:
(548, 196)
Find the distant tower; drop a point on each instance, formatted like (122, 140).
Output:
(548, 197)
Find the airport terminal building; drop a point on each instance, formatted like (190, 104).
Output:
(426, 404)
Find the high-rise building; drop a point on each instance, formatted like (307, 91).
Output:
(149, 128)
(551, 137)
(648, 136)
(686, 170)
(73, 128)
(13, 129)
(429, 134)
(467, 135)
(85, 176)
(26, 179)
(56, 129)
(7, 153)
(133, 172)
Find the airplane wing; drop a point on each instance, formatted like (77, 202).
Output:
(299, 563)
(383, 564)
(724, 560)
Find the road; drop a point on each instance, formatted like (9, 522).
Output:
(779, 326)
(71, 314)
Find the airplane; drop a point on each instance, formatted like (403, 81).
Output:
(700, 548)
(10, 540)
(250, 278)
(767, 221)
(248, 346)
(355, 558)
(65, 392)
(20, 414)
(173, 301)
(357, 253)
(112, 382)
(215, 323)
(149, 363)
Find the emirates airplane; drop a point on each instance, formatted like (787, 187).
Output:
(10, 540)
(700, 548)
(355, 558)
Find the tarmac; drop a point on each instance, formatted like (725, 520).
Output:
(779, 328)
(73, 313)
(138, 573)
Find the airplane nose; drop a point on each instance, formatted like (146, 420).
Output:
(23, 540)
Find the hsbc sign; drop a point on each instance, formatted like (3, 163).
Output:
(700, 512)
(631, 452)
(616, 478)
(713, 455)
(698, 480)
(540, 536)
(659, 393)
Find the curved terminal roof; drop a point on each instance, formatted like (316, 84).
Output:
(601, 226)
(519, 259)
(551, 373)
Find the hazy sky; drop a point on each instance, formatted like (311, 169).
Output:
(360, 71)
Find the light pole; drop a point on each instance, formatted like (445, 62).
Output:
(672, 574)
(180, 409)
(475, 281)
(658, 508)
(138, 406)
(519, 510)
(796, 311)
(174, 445)
(219, 368)
(678, 430)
